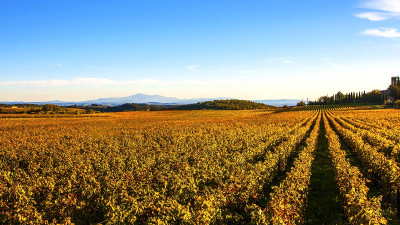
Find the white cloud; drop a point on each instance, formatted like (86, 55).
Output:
(383, 32)
(382, 5)
(192, 67)
(80, 81)
(384, 9)
(373, 16)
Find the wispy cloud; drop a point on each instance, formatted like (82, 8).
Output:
(202, 82)
(382, 5)
(192, 67)
(142, 82)
(80, 81)
(373, 16)
(286, 60)
(244, 71)
(382, 9)
(331, 62)
(52, 82)
(383, 32)
(104, 82)
(101, 68)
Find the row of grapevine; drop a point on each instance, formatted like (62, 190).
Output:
(391, 134)
(286, 149)
(386, 169)
(385, 123)
(249, 190)
(276, 136)
(143, 167)
(376, 125)
(389, 147)
(288, 201)
(358, 207)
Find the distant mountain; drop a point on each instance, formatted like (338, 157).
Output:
(147, 99)
(279, 102)
(153, 100)
(137, 98)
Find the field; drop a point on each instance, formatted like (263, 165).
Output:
(313, 165)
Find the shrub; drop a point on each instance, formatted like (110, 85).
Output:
(397, 104)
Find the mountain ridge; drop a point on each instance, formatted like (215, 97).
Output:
(155, 99)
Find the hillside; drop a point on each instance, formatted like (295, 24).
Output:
(232, 104)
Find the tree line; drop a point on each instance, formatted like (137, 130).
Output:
(42, 109)
(232, 104)
(372, 97)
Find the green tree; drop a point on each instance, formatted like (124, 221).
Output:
(395, 91)
(51, 107)
(301, 103)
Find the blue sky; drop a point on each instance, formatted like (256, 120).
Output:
(247, 49)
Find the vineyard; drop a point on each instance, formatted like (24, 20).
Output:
(310, 166)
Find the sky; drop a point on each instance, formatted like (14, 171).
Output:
(76, 50)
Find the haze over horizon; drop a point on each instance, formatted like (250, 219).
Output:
(81, 50)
